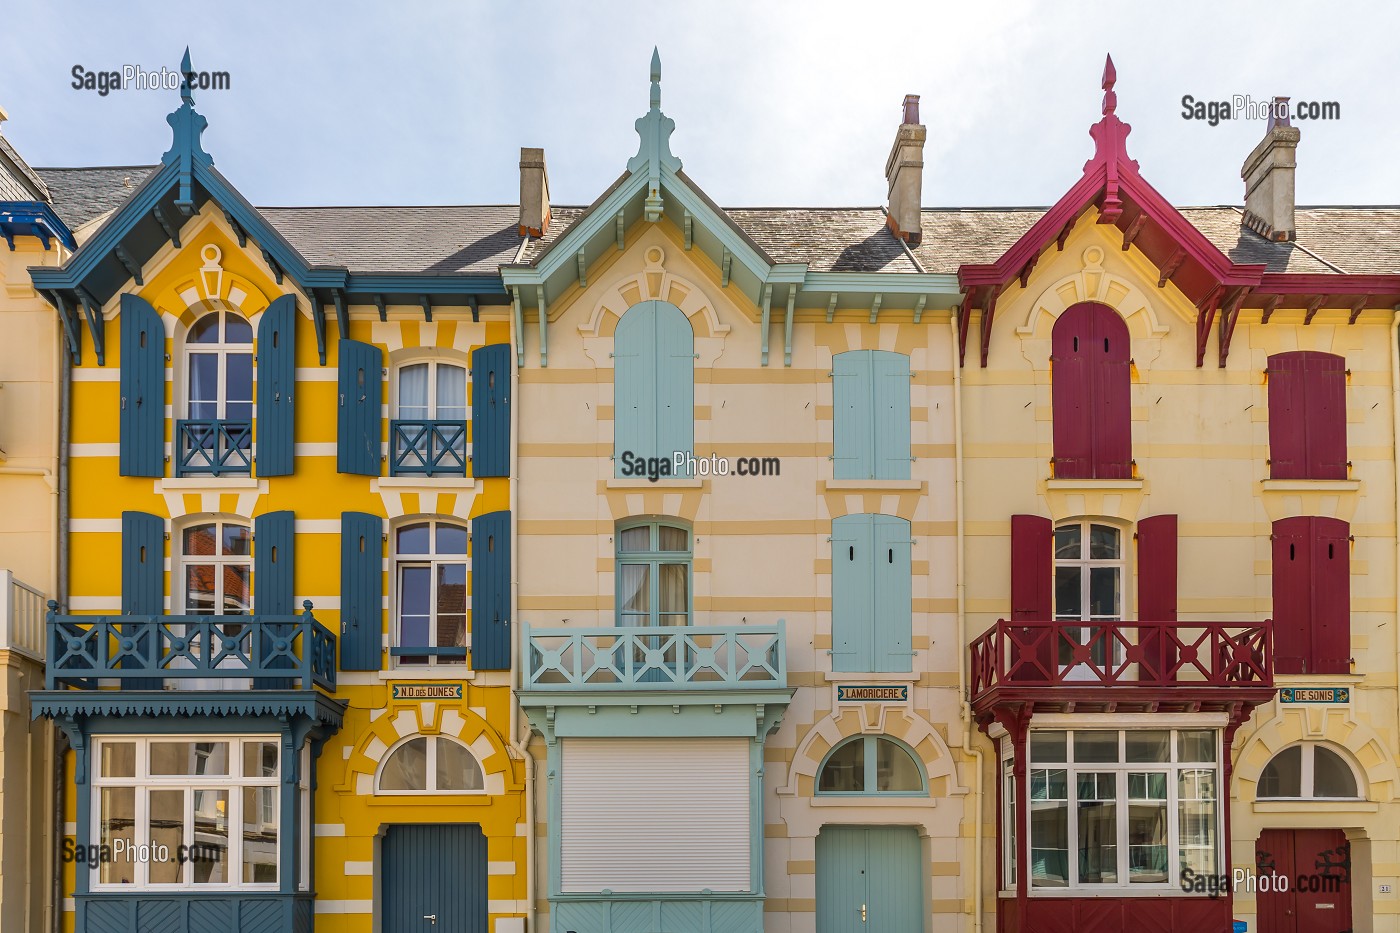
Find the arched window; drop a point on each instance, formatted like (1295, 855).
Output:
(430, 765)
(430, 563)
(1302, 772)
(1090, 384)
(216, 434)
(653, 390)
(653, 574)
(1089, 570)
(430, 428)
(871, 764)
(216, 568)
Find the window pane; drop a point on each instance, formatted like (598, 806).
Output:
(1283, 776)
(237, 329)
(167, 821)
(413, 392)
(237, 598)
(1151, 745)
(1048, 747)
(1049, 829)
(451, 392)
(1096, 794)
(1104, 543)
(1103, 592)
(1197, 820)
(1331, 776)
(199, 589)
(199, 540)
(672, 596)
(237, 540)
(260, 835)
(415, 606)
(1067, 593)
(451, 539)
(119, 759)
(407, 768)
(634, 540)
(457, 769)
(673, 539)
(413, 539)
(895, 768)
(169, 758)
(451, 606)
(117, 820)
(1067, 542)
(635, 593)
(1096, 746)
(209, 859)
(1196, 746)
(259, 759)
(204, 385)
(844, 772)
(205, 330)
(238, 378)
(1147, 827)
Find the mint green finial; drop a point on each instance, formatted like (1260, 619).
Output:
(655, 78)
(654, 153)
(186, 92)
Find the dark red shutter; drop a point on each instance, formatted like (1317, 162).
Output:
(1293, 558)
(1325, 401)
(1287, 417)
(1110, 384)
(1331, 630)
(1156, 572)
(1032, 568)
(1071, 424)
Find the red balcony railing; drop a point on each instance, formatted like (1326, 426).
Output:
(1165, 656)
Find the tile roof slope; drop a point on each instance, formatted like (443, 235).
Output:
(827, 239)
(80, 194)
(17, 180)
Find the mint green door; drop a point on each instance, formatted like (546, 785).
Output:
(869, 880)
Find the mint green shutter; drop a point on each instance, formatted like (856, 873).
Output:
(890, 378)
(276, 381)
(854, 429)
(675, 382)
(634, 384)
(852, 593)
(893, 612)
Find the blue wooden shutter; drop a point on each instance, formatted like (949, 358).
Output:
(357, 441)
(893, 612)
(852, 389)
(634, 384)
(491, 410)
(274, 539)
(674, 359)
(852, 593)
(276, 382)
(143, 587)
(491, 571)
(890, 378)
(142, 420)
(361, 591)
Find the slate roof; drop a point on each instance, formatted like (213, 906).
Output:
(17, 180)
(477, 239)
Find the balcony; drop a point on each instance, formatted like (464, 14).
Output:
(1122, 666)
(428, 448)
(213, 447)
(21, 617)
(636, 659)
(294, 652)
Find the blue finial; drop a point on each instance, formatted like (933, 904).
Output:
(186, 92)
(185, 150)
(655, 78)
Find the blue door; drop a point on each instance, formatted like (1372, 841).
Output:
(434, 879)
(869, 880)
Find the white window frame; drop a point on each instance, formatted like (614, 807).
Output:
(432, 560)
(1307, 773)
(219, 561)
(222, 350)
(144, 782)
(432, 362)
(430, 769)
(1173, 768)
(1008, 817)
(1086, 565)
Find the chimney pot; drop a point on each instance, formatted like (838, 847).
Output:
(904, 171)
(1268, 174)
(534, 193)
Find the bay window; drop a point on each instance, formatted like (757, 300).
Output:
(207, 808)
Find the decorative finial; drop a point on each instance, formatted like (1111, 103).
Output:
(186, 92)
(1110, 77)
(185, 149)
(655, 78)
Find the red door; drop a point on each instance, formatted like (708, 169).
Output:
(1316, 864)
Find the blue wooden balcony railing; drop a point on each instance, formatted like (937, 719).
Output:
(293, 651)
(647, 658)
(428, 448)
(213, 447)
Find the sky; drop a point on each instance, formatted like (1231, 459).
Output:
(776, 103)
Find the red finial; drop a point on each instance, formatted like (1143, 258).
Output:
(1110, 76)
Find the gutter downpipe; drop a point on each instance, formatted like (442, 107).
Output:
(61, 558)
(1395, 442)
(965, 707)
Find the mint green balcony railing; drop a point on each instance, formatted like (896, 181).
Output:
(648, 658)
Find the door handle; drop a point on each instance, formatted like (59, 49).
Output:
(431, 918)
(862, 913)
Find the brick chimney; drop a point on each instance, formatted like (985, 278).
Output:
(534, 193)
(904, 170)
(1268, 177)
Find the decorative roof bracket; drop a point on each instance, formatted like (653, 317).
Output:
(95, 325)
(383, 311)
(342, 317)
(172, 231)
(787, 326)
(544, 322)
(767, 304)
(919, 308)
(519, 326)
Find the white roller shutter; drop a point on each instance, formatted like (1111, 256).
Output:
(655, 815)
